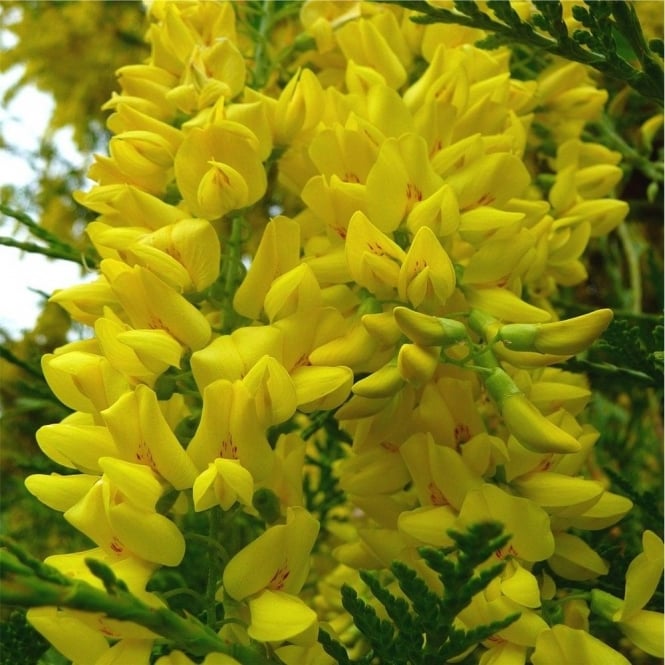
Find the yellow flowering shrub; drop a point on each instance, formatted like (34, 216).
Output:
(324, 333)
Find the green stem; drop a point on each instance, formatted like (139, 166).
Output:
(633, 264)
(222, 554)
(262, 66)
(232, 271)
(64, 254)
(605, 132)
(213, 568)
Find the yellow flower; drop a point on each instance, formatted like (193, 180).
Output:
(137, 354)
(278, 252)
(232, 356)
(401, 177)
(642, 627)
(354, 348)
(128, 524)
(229, 429)
(142, 434)
(384, 382)
(417, 364)
(558, 493)
(223, 483)
(185, 254)
(71, 636)
(364, 43)
(85, 303)
(374, 260)
(298, 108)
(526, 522)
(344, 152)
(500, 259)
(151, 303)
(295, 291)
(125, 205)
(643, 575)
(145, 89)
(504, 304)
(77, 443)
(273, 391)
(269, 572)
(144, 154)
(285, 479)
(378, 470)
(427, 276)
(179, 658)
(218, 169)
(60, 492)
(83, 381)
(448, 410)
(440, 475)
(488, 180)
(321, 18)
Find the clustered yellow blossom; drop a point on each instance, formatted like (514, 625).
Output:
(356, 230)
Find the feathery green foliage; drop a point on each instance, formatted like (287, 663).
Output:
(421, 627)
(609, 29)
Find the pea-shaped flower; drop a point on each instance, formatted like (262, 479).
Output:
(269, 572)
(218, 169)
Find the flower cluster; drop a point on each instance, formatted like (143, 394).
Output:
(341, 217)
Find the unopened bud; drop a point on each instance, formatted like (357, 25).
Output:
(417, 364)
(382, 383)
(559, 337)
(525, 422)
(429, 330)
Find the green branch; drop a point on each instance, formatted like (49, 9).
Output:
(27, 582)
(595, 45)
(55, 248)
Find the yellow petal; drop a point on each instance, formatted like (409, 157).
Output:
(278, 252)
(575, 560)
(273, 391)
(137, 482)
(278, 559)
(321, 387)
(529, 525)
(521, 586)
(643, 574)
(149, 535)
(559, 493)
(76, 446)
(568, 646)
(69, 635)
(277, 616)
(645, 630)
(427, 273)
(59, 492)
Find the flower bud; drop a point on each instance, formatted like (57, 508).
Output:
(527, 424)
(417, 364)
(429, 330)
(382, 383)
(559, 337)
